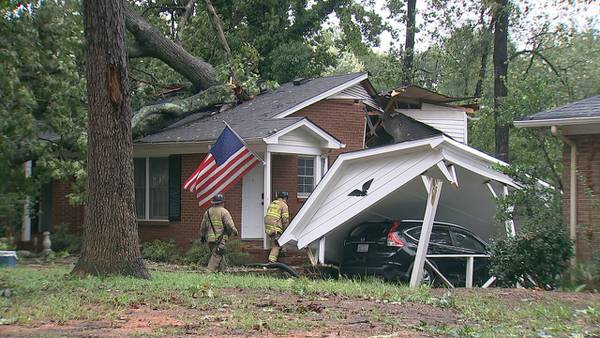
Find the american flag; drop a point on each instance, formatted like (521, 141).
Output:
(227, 162)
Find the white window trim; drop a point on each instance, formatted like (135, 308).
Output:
(314, 159)
(147, 195)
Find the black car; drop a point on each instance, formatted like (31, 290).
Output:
(388, 249)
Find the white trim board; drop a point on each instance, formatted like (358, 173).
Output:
(322, 96)
(330, 141)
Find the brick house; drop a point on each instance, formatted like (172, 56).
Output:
(299, 129)
(578, 125)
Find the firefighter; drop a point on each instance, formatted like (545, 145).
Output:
(217, 225)
(276, 220)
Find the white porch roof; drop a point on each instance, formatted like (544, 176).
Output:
(398, 192)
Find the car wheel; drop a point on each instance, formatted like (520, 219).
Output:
(429, 277)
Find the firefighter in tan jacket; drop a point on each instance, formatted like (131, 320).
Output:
(276, 220)
(217, 225)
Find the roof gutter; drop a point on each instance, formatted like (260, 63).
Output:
(557, 122)
(572, 190)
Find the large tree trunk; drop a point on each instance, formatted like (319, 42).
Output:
(409, 45)
(152, 43)
(110, 236)
(501, 13)
(485, 52)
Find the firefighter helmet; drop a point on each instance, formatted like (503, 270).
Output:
(282, 194)
(218, 199)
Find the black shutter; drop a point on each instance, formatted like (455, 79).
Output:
(174, 187)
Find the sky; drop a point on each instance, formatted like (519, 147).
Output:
(579, 14)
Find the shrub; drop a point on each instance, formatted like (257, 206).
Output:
(199, 254)
(585, 276)
(63, 241)
(540, 252)
(160, 251)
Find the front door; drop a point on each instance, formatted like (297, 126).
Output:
(252, 204)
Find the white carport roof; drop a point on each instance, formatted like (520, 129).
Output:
(398, 192)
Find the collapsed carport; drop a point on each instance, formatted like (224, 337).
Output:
(434, 178)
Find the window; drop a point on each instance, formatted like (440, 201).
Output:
(467, 242)
(370, 232)
(438, 236)
(151, 188)
(306, 176)
(139, 176)
(441, 237)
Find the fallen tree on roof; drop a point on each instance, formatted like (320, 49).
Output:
(207, 91)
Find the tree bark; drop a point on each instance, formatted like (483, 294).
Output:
(150, 42)
(189, 9)
(409, 45)
(501, 13)
(485, 52)
(110, 236)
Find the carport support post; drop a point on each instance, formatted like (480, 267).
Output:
(434, 190)
(266, 192)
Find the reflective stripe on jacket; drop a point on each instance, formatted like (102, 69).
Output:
(277, 217)
(221, 222)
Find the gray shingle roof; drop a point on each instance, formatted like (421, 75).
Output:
(252, 119)
(589, 107)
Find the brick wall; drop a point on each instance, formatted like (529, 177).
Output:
(188, 228)
(62, 211)
(588, 193)
(341, 118)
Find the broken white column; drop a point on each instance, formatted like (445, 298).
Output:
(509, 224)
(26, 219)
(322, 250)
(434, 189)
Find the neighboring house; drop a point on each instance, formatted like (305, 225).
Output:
(299, 129)
(578, 125)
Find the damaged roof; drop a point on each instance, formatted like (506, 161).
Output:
(256, 119)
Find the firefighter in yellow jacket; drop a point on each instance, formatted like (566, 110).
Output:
(217, 225)
(276, 220)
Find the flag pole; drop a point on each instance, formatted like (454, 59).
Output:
(244, 142)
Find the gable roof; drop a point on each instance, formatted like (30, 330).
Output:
(260, 117)
(395, 166)
(578, 112)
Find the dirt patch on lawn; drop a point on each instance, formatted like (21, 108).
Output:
(258, 313)
(255, 313)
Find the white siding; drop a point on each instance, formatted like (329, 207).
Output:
(356, 92)
(389, 173)
(452, 121)
(299, 137)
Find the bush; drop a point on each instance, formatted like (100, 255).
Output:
(63, 241)
(585, 276)
(540, 252)
(199, 254)
(160, 251)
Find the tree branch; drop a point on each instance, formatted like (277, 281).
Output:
(218, 26)
(189, 9)
(152, 117)
(541, 56)
(201, 74)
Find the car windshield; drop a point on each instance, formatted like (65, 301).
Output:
(370, 231)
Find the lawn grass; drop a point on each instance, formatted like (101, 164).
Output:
(41, 294)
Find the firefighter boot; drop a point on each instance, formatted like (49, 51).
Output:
(274, 254)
